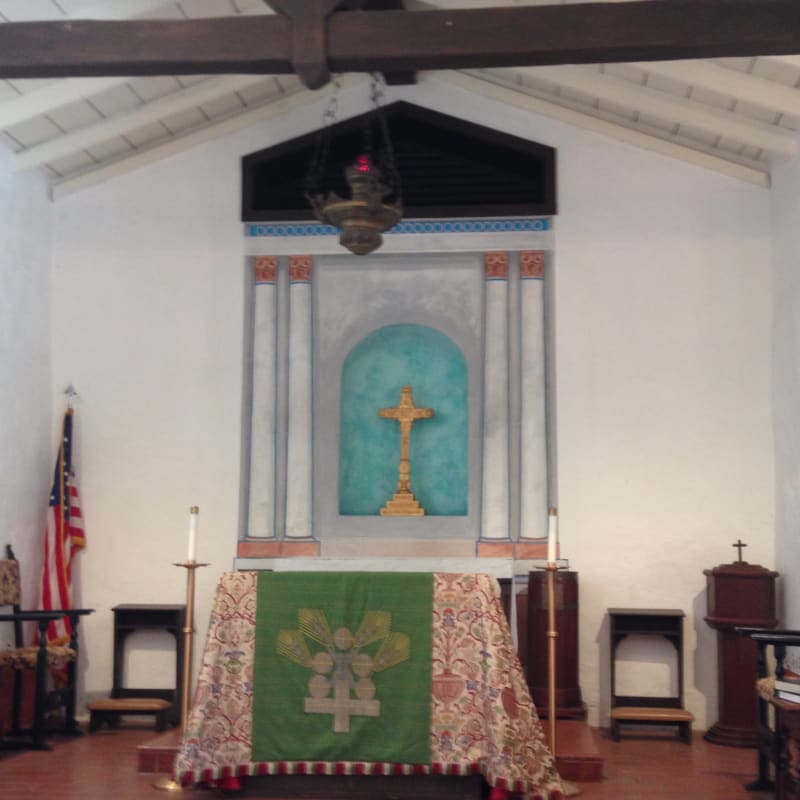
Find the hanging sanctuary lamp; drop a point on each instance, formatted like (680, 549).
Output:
(375, 203)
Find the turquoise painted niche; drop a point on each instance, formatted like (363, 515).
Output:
(373, 374)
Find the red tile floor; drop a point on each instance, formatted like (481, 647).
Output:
(643, 767)
(104, 765)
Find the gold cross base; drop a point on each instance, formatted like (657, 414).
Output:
(403, 504)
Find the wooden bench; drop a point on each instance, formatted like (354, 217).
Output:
(109, 711)
(649, 715)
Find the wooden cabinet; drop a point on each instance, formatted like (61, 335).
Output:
(739, 595)
(569, 702)
(532, 613)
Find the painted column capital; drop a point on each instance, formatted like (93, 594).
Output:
(266, 269)
(531, 264)
(300, 268)
(496, 265)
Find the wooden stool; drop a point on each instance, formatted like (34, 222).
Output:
(110, 710)
(649, 715)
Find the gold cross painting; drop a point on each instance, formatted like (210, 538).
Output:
(403, 503)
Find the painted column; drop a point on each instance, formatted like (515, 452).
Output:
(533, 425)
(494, 507)
(298, 446)
(261, 512)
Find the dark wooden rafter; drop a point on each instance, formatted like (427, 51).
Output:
(398, 41)
(398, 77)
(310, 35)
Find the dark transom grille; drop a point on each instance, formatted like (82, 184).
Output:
(448, 167)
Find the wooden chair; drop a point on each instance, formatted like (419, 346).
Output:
(40, 659)
(772, 747)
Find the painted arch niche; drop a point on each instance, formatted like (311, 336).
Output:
(373, 374)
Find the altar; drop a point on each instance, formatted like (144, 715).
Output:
(363, 674)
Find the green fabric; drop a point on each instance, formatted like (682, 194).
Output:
(283, 728)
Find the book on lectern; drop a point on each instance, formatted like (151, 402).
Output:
(789, 683)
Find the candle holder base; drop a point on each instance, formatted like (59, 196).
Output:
(166, 784)
(570, 789)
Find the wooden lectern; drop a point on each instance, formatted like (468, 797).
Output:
(739, 595)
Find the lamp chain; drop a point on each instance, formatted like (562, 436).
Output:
(388, 164)
(319, 158)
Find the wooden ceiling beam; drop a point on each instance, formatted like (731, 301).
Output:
(365, 41)
(309, 37)
(57, 94)
(643, 30)
(99, 48)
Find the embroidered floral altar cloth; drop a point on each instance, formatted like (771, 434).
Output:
(363, 674)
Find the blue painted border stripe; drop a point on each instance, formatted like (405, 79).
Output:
(494, 225)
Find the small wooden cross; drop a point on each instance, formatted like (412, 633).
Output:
(739, 544)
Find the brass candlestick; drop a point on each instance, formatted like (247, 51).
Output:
(552, 635)
(166, 782)
(570, 789)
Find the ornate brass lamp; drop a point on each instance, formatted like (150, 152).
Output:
(365, 216)
(375, 203)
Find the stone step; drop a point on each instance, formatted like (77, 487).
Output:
(158, 754)
(577, 755)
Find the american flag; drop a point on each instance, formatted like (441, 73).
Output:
(63, 538)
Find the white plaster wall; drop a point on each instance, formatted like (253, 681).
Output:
(27, 449)
(662, 346)
(786, 377)
(663, 340)
(662, 349)
(149, 278)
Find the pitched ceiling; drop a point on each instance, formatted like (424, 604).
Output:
(735, 115)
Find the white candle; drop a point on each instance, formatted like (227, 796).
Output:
(552, 536)
(193, 512)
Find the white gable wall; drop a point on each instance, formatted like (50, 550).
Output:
(26, 444)
(786, 381)
(662, 310)
(662, 346)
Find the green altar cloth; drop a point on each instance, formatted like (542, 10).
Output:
(342, 667)
(268, 698)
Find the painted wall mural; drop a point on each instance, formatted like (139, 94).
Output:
(373, 375)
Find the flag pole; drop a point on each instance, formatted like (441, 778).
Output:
(64, 486)
(60, 558)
